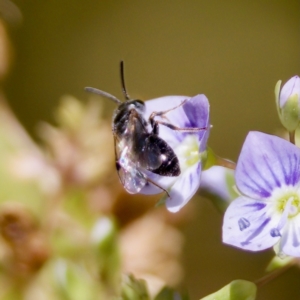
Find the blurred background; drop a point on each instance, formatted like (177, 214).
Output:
(234, 52)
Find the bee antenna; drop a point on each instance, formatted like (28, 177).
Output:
(102, 93)
(123, 80)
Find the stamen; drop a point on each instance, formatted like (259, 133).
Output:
(285, 214)
(188, 152)
(275, 232)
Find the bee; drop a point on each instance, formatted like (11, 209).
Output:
(138, 148)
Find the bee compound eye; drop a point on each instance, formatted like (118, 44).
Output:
(140, 105)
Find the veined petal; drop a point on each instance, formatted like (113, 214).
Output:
(184, 188)
(248, 224)
(176, 117)
(181, 189)
(194, 113)
(197, 109)
(290, 241)
(266, 162)
(163, 103)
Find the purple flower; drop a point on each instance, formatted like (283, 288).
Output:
(188, 146)
(268, 210)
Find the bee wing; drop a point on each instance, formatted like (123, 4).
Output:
(158, 157)
(131, 178)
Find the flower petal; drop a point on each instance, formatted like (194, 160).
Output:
(218, 181)
(248, 224)
(194, 113)
(163, 103)
(176, 117)
(184, 188)
(162, 182)
(197, 110)
(290, 241)
(266, 162)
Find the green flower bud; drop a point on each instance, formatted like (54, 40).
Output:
(288, 103)
(279, 262)
(235, 290)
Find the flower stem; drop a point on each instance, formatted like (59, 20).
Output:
(273, 275)
(292, 136)
(224, 163)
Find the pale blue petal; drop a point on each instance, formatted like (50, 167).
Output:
(176, 117)
(290, 241)
(162, 181)
(194, 113)
(184, 188)
(163, 104)
(197, 110)
(150, 189)
(217, 181)
(266, 162)
(248, 224)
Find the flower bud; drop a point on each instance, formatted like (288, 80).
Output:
(288, 103)
(237, 289)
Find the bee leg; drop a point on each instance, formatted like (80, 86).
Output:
(162, 113)
(154, 123)
(173, 127)
(155, 128)
(164, 190)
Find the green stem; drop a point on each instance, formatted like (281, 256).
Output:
(225, 163)
(273, 275)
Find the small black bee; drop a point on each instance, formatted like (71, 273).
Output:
(136, 147)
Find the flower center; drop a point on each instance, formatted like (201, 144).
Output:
(188, 152)
(289, 204)
(288, 207)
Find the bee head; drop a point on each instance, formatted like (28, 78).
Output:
(137, 105)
